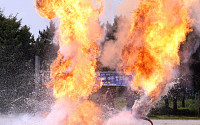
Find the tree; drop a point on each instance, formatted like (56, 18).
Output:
(45, 48)
(189, 54)
(166, 101)
(16, 57)
(195, 66)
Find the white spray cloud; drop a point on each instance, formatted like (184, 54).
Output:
(59, 113)
(58, 116)
(22, 119)
(124, 118)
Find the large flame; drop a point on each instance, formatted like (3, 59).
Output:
(81, 117)
(158, 27)
(73, 72)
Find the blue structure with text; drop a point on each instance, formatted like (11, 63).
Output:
(114, 78)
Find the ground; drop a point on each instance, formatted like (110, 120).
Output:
(176, 122)
(34, 120)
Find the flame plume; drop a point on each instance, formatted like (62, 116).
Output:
(73, 72)
(158, 27)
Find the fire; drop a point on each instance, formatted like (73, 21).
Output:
(73, 72)
(81, 117)
(158, 27)
(73, 75)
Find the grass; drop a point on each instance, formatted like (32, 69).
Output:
(173, 117)
(189, 112)
(120, 103)
(190, 105)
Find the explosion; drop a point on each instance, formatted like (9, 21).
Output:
(158, 27)
(73, 72)
(150, 51)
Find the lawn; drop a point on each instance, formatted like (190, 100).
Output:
(173, 117)
(189, 112)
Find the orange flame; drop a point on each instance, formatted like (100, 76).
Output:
(158, 28)
(73, 75)
(81, 117)
(73, 72)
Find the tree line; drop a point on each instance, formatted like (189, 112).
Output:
(18, 48)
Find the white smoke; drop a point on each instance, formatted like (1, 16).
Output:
(21, 119)
(112, 49)
(127, 7)
(124, 118)
(59, 113)
(195, 15)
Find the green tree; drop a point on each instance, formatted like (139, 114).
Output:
(195, 66)
(45, 48)
(16, 57)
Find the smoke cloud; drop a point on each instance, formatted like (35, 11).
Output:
(127, 7)
(195, 15)
(112, 49)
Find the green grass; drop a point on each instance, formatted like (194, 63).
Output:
(173, 117)
(189, 112)
(120, 103)
(190, 105)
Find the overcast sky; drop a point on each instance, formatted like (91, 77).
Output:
(26, 11)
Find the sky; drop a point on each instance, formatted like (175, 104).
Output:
(25, 10)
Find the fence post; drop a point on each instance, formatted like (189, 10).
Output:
(195, 98)
(37, 74)
(199, 102)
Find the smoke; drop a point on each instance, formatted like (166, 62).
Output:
(124, 118)
(127, 7)
(22, 119)
(195, 15)
(191, 45)
(112, 49)
(59, 113)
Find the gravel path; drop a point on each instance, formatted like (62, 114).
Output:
(176, 122)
